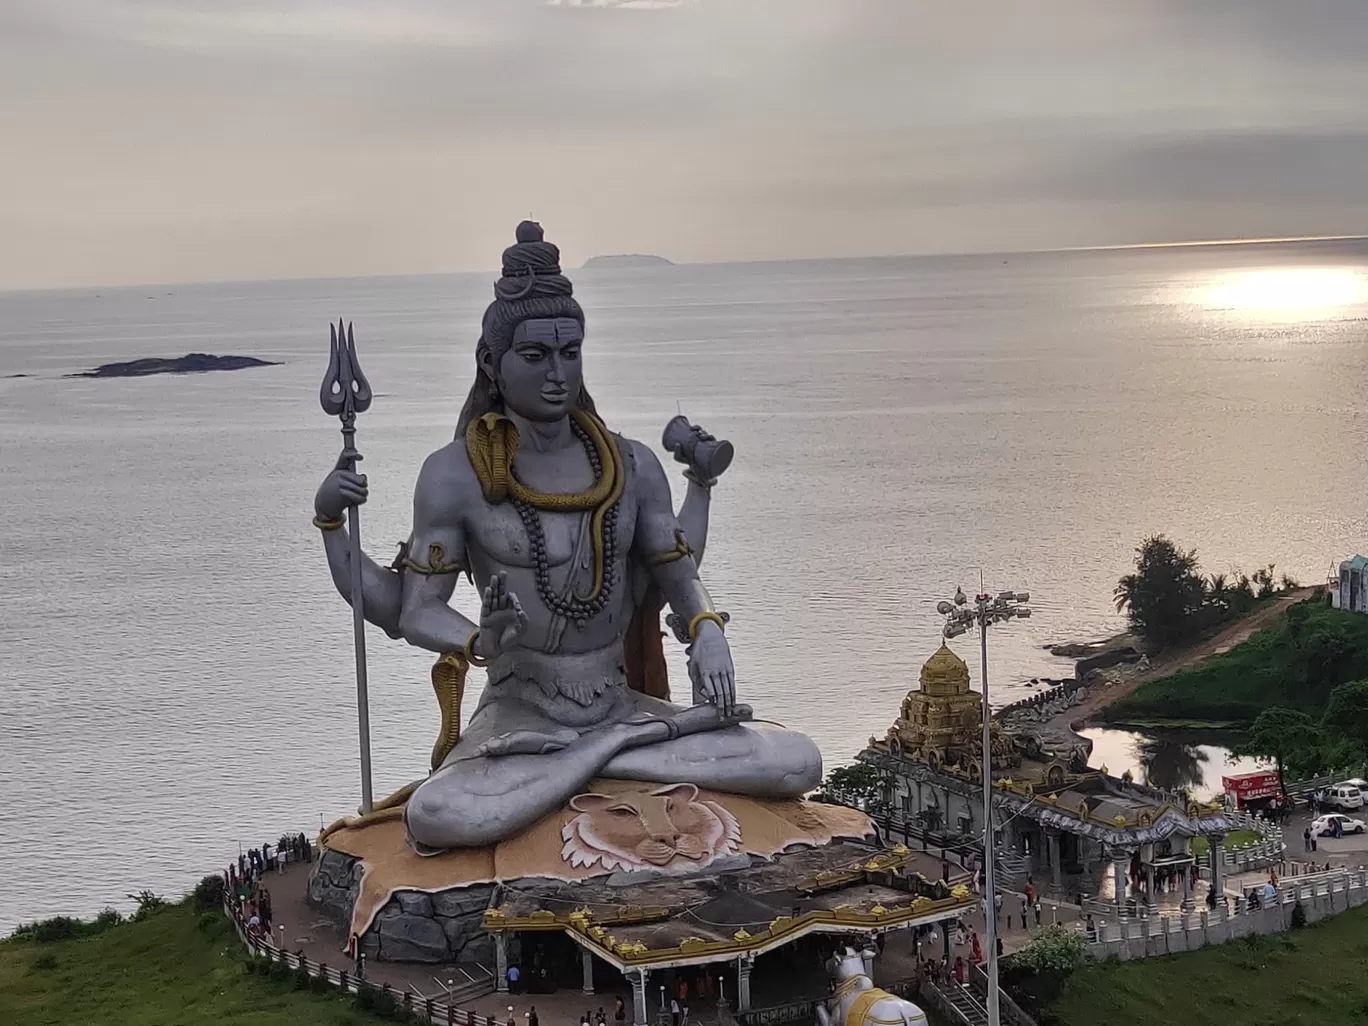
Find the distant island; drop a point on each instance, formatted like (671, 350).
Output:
(190, 363)
(627, 260)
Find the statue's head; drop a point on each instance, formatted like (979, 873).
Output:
(528, 358)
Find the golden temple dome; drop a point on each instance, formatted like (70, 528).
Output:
(945, 673)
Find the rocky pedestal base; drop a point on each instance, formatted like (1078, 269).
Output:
(412, 926)
(410, 908)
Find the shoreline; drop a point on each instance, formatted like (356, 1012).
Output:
(1168, 663)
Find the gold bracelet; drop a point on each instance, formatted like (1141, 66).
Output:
(328, 525)
(468, 650)
(698, 620)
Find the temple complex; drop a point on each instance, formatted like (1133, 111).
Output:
(1056, 819)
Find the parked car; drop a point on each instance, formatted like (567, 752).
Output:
(1325, 825)
(1344, 796)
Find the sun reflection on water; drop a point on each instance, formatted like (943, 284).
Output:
(1297, 293)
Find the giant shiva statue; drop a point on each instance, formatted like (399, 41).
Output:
(569, 533)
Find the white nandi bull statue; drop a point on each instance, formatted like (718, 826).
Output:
(857, 1002)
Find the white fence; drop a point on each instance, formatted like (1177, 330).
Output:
(1320, 895)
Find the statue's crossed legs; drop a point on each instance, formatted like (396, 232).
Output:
(515, 763)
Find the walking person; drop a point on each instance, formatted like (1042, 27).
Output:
(619, 1010)
(997, 907)
(1037, 911)
(1025, 907)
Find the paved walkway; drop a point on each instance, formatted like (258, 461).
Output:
(305, 929)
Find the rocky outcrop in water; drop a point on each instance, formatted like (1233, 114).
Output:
(190, 363)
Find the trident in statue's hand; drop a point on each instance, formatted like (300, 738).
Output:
(345, 393)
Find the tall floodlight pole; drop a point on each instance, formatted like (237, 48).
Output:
(345, 393)
(960, 617)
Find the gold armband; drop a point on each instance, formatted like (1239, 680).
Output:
(328, 525)
(680, 550)
(701, 618)
(468, 650)
(436, 563)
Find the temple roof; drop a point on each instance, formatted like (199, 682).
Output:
(944, 667)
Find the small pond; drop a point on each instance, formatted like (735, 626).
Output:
(1170, 759)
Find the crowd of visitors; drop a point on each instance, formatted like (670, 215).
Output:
(245, 879)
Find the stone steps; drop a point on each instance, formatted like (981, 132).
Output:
(970, 1012)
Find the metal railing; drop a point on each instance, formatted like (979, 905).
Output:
(412, 1001)
(1008, 1010)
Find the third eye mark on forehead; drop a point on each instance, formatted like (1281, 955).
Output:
(547, 335)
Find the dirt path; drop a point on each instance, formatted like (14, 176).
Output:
(1184, 657)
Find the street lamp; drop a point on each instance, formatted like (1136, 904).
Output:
(960, 617)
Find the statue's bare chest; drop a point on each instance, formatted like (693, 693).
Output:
(513, 534)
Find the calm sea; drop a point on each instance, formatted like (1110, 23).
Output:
(177, 669)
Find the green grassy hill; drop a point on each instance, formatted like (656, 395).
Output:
(1295, 664)
(175, 967)
(1311, 977)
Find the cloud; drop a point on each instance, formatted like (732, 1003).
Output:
(238, 138)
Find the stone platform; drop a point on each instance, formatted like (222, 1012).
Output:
(619, 845)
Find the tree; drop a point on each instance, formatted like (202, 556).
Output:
(1346, 718)
(1265, 584)
(1288, 738)
(1218, 591)
(1163, 599)
(859, 785)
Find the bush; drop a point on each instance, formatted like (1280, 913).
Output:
(149, 904)
(45, 963)
(385, 1005)
(1298, 916)
(58, 928)
(108, 918)
(1055, 948)
(365, 997)
(208, 894)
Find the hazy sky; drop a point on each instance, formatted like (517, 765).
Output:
(175, 140)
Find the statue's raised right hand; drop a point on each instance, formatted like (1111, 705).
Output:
(340, 489)
(502, 619)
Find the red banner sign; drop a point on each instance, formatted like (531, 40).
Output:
(1251, 786)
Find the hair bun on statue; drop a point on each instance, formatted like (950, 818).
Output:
(531, 267)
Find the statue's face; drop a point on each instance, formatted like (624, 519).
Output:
(540, 375)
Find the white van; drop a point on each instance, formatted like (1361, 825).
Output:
(1344, 796)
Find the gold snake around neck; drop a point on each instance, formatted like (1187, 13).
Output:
(492, 446)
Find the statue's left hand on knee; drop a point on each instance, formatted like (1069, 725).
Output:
(711, 669)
